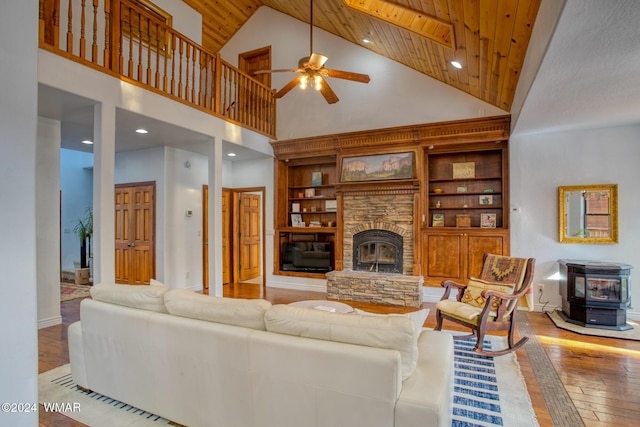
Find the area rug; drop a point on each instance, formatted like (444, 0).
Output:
(58, 392)
(69, 291)
(631, 334)
(487, 392)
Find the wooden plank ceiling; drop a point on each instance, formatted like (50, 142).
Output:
(490, 37)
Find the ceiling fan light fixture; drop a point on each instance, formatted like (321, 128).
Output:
(304, 81)
(317, 82)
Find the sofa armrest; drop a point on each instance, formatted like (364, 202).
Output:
(425, 399)
(76, 355)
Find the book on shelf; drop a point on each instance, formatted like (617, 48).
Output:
(315, 224)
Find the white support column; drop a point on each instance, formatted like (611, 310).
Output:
(215, 217)
(104, 130)
(18, 122)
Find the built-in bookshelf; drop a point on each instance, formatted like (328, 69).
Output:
(309, 211)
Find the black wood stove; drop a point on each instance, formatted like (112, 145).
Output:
(595, 294)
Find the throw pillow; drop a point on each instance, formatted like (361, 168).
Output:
(248, 313)
(473, 294)
(149, 298)
(417, 317)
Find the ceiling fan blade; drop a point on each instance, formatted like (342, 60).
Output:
(288, 70)
(328, 93)
(316, 61)
(346, 75)
(293, 83)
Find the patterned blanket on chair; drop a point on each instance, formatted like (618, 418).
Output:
(507, 271)
(503, 270)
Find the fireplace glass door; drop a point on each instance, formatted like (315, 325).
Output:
(604, 289)
(377, 251)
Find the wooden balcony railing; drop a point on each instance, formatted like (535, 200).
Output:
(137, 44)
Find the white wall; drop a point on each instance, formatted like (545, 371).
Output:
(539, 164)
(178, 189)
(48, 222)
(395, 96)
(183, 234)
(147, 166)
(18, 121)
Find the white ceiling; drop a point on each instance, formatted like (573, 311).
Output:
(76, 116)
(589, 76)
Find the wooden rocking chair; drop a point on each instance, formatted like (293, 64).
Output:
(489, 303)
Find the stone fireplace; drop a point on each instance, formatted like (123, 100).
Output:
(378, 241)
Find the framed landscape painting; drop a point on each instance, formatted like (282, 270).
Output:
(380, 167)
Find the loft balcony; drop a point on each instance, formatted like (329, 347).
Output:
(137, 44)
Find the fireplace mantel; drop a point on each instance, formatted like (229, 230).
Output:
(372, 188)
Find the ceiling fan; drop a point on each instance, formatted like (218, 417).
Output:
(312, 72)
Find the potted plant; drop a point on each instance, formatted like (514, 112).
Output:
(84, 229)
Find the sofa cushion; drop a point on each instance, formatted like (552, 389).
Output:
(149, 298)
(248, 313)
(417, 317)
(389, 332)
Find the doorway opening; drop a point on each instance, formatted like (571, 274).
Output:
(243, 236)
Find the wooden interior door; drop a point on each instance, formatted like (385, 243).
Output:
(135, 233)
(227, 208)
(256, 60)
(205, 239)
(227, 257)
(245, 223)
(250, 236)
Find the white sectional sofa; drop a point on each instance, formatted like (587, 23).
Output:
(206, 361)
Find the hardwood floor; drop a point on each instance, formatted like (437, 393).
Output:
(600, 375)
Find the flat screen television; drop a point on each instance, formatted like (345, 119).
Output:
(313, 257)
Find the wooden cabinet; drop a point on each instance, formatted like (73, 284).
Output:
(466, 209)
(308, 210)
(456, 254)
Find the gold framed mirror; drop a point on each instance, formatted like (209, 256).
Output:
(588, 213)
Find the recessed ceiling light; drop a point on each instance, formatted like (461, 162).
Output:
(456, 64)
(86, 141)
(366, 40)
(231, 154)
(142, 130)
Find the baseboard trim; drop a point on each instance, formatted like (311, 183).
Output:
(52, 321)
(432, 294)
